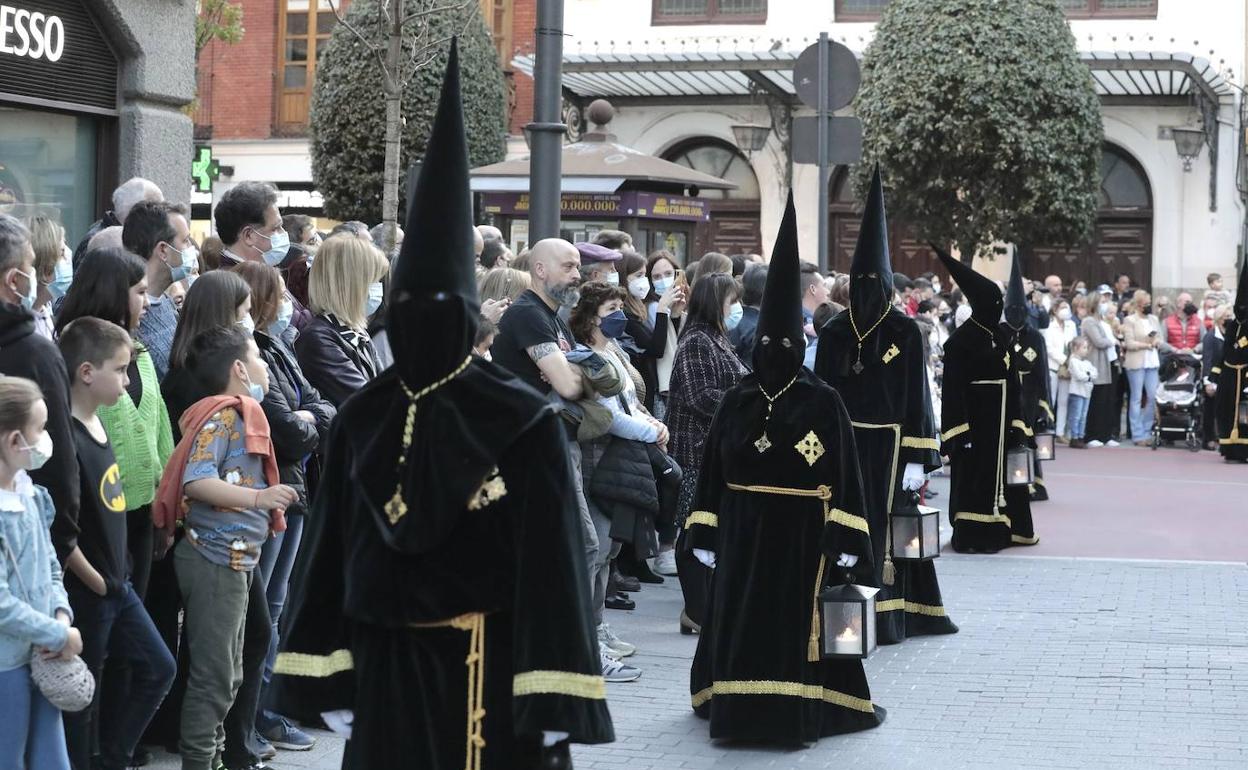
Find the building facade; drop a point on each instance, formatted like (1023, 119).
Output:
(92, 92)
(255, 95)
(682, 73)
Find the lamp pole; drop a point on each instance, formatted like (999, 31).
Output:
(822, 113)
(547, 129)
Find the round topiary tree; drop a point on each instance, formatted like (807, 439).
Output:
(984, 121)
(348, 113)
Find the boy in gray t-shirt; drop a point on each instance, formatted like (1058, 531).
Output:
(228, 499)
(230, 537)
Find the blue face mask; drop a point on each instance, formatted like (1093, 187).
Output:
(734, 316)
(375, 293)
(62, 277)
(663, 285)
(32, 289)
(279, 244)
(612, 326)
(180, 268)
(279, 325)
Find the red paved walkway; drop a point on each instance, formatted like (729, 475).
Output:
(1134, 503)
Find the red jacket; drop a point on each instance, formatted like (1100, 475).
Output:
(1184, 335)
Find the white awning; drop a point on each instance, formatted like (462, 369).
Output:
(701, 68)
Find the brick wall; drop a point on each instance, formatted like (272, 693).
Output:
(236, 82)
(524, 20)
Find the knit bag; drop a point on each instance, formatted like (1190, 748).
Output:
(67, 684)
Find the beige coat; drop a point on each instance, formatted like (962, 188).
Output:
(1135, 339)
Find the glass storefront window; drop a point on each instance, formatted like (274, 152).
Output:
(47, 166)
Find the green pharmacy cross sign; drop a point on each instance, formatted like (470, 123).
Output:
(204, 169)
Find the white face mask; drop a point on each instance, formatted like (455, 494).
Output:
(639, 287)
(613, 279)
(1063, 314)
(247, 324)
(40, 452)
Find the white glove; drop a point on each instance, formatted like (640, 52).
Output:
(913, 477)
(705, 556)
(847, 560)
(339, 721)
(551, 737)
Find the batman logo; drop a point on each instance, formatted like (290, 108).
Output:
(112, 496)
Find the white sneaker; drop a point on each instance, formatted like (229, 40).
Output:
(1094, 442)
(615, 671)
(606, 651)
(664, 563)
(608, 639)
(1111, 442)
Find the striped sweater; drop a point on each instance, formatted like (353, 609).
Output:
(141, 437)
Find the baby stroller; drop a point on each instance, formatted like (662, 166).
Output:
(1178, 403)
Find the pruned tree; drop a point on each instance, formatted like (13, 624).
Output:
(395, 51)
(986, 123)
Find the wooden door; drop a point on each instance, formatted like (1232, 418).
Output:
(731, 232)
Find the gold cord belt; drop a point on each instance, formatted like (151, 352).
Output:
(474, 624)
(823, 493)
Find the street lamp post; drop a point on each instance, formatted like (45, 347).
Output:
(547, 129)
(1188, 141)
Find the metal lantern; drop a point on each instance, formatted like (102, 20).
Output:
(1018, 466)
(1046, 446)
(915, 533)
(847, 621)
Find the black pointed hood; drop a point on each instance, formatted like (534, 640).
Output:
(983, 294)
(1015, 299)
(1241, 295)
(779, 341)
(433, 306)
(871, 274)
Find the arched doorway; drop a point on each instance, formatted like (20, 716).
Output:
(909, 255)
(1122, 240)
(734, 224)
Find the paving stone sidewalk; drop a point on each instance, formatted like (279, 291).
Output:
(1061, 663)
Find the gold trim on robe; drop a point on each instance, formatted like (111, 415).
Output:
(591, 686)
(702, 517)
(954, 432)
(892, 605)
(785, 689)
(317, 666)
(912, 442)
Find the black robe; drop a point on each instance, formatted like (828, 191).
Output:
(384, 615)
(1029, 357)
(1232, 378)
(891, 409)
(981, 420)
(778, 521)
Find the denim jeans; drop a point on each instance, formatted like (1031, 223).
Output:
(1140, 417)
(31, 735)
(277, 560)
(116, 629)
(1077, 415)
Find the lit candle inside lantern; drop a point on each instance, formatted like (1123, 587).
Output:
(848, 643)
(1042, 451)
(1020, 474)
(912, 549)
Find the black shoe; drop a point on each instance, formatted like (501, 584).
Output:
(557, 757)
(620, 602)
(141, 757)
(627, 584)
(641, 571)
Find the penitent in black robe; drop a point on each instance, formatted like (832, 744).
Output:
(1023, 392)
(1029, 359)
(891, 409)
(778, 521)
(1232, 377)
(980, 422)
(465, 625)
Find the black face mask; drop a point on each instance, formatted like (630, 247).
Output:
(944, 317)
(1190, 309)
(777, 360)
(1148, 310)
(1015, 316)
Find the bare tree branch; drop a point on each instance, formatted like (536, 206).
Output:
(342, 19)
(437, 10)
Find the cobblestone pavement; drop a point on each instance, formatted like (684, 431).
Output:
(1061, 662)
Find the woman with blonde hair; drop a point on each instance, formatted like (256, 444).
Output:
(502, 283)
(344, 289)
(1141, 338)
(53, 269)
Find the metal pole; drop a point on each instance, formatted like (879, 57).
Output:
(547, 129)
(822, 118)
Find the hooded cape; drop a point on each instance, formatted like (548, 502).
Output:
(443, 570)
(780, 342)
(884, 383)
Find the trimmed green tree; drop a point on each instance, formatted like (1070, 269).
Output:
(985, 122)
(377, 86)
